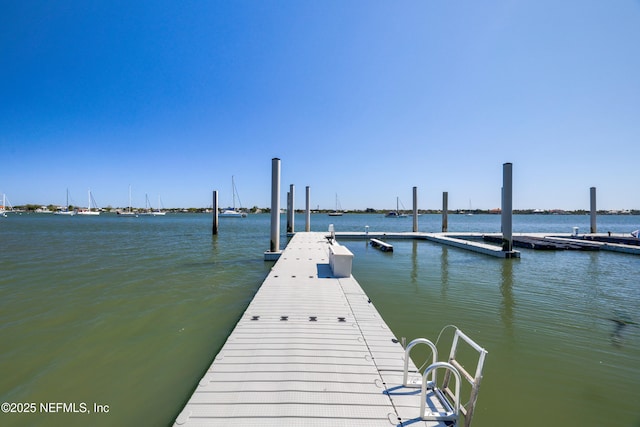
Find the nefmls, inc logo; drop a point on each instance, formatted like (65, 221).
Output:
(64, 407)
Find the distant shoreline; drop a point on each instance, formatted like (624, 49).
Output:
(255, 210)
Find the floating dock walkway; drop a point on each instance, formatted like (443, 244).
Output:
(311, 349)
(479, 242)
(469, 241)
(546, 243)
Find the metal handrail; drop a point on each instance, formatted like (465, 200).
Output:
(444, 393)
(451, 413)
(407, 352)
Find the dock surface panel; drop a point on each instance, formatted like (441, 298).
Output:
(310, 350)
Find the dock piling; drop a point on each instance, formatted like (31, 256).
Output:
(445, 211)
(507, 207)
(594, 228)
(292, 209)
(214, 228)
(288, 212)
(274, 249)
(307, 225)
(415, 209)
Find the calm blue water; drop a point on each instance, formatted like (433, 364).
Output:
(129, 312)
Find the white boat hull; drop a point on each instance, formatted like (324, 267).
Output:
(231, 214)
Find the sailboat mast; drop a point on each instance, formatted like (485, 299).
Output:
(233, 192)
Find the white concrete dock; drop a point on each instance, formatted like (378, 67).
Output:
(468, 241)
(473, 241)
(310, 350)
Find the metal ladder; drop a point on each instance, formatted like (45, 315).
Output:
(449, 399)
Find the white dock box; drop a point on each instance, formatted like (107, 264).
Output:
(340, 259)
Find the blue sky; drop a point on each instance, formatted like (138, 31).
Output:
(363, 99)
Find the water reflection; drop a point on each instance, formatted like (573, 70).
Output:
(444, 271)
(620, 321)
(414, 263)
(214, 245)
(506, 289)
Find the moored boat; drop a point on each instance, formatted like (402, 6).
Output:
(65, 210)
(149, 211)
(3, 208)
(128, 212)
(396, 213)
(338, 210)
(232, 212)
(88, 210)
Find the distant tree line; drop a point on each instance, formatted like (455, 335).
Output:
(33, 207)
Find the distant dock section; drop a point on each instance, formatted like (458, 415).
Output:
(469, 241)
(488, 243)
(545, 243)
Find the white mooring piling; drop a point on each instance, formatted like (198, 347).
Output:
(274, 250)
(594, 228)
(415, 209)
(214, 228)
(307, 224)
(507, 207)
(288, 212)
(291, 210)
(445, 211)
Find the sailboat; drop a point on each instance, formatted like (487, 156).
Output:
(337, 211)
(128, 212)
(158, 212)
(232, 212)
(88, 211)
(7, 207)
(149, 210)
(66, 210)
(396, 213)
(3, 208)
(469, 213)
